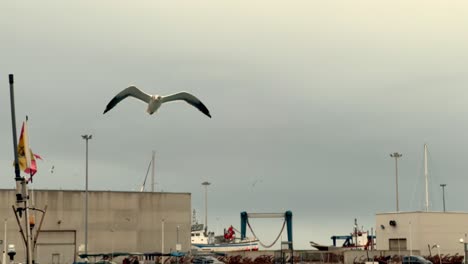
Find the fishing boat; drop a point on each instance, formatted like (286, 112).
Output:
(202, 240)
(358, 239)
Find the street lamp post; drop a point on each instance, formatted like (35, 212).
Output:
(162, 241)
(466, 253)
(86, 137)
(438, 252)
(465, 248)
(206, 184)
(4, 242)
(178, 248)
(396, 155)
(443, 194)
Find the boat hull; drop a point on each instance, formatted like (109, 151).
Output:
(227, 247)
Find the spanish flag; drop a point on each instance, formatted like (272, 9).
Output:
(26, 158)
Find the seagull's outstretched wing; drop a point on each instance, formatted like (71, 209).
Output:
(189, 99)
(130, 91)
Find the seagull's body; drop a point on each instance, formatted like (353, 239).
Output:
(155, 101)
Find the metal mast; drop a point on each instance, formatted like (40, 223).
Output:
(206, 202)
(152, 172)
(86, 137)
(443, 194)
(425, 177)
(396, 155)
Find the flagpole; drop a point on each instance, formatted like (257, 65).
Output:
(19, 197)
(21, 186)
(28, 152)
(28, 230)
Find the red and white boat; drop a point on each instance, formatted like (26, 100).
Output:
(202, 240)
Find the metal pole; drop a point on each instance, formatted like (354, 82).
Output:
(4, 243)
(438, 253)
(177, 245)
(162, 241)
(396, 155)
(206, 202)
(466, 255)
(15, 142)
(28, 230)
(355, 233)
(152, 171)
(443, 194)
(21, 185)
(86, 137)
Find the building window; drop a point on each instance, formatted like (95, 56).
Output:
(397, 244)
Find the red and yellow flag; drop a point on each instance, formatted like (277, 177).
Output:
(26, 158)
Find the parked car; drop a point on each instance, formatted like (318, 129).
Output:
(415, 260)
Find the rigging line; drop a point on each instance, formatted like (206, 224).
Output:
(274, 242)
(147, 171)
(434, 180)
(235, 229)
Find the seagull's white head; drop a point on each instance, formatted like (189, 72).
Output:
(154, 104)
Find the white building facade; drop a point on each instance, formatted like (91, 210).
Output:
(427, 232)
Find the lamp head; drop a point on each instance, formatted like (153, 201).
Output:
(11, 248)
(87, 136)
(11, 251)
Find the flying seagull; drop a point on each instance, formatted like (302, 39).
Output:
(155, 101)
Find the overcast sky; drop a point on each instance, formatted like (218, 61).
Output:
(308, 100)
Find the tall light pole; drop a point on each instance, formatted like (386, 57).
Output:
(86, 137)
(206, 184)
(465, 248)
(5, 243)
(178, 236)
(438, 253)
(178, 247)
(162, 241)
(443, 193)
(396, 155)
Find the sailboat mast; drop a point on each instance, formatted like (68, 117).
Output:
(425, 176)
(152, 172)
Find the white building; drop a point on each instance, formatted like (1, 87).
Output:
(422, 231)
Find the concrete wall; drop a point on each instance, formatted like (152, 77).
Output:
(117, 221)
(422, 229)
(361, 256)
